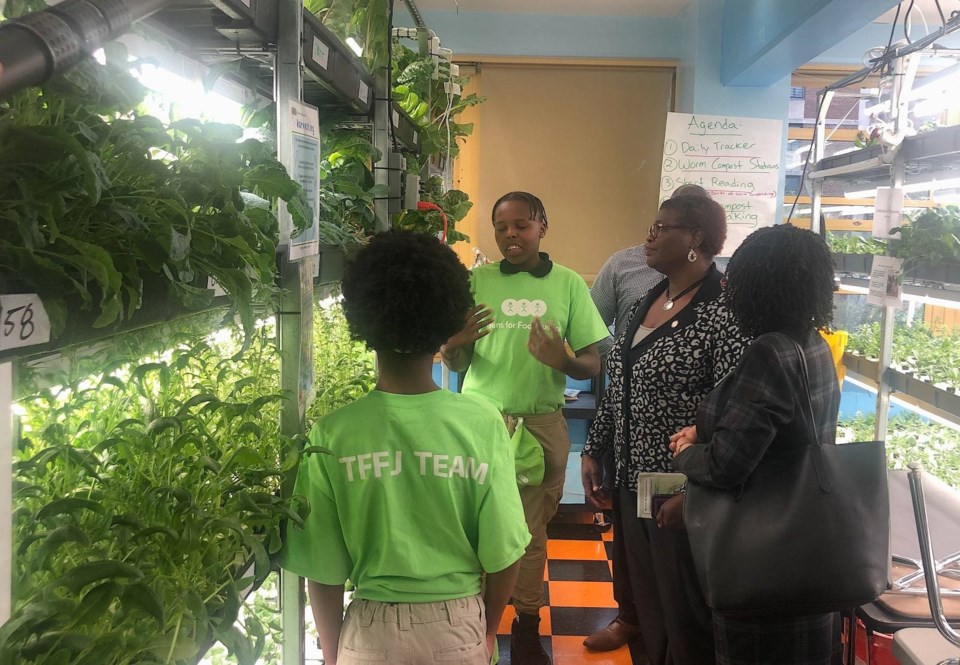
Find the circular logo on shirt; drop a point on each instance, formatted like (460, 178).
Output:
(523, 307)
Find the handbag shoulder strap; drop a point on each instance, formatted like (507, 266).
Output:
(811, 417)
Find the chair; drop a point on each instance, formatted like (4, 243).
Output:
(927, 646)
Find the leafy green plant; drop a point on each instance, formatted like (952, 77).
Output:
(454, 203)
(344, 369)
(930, 239)
(428, 93)
(106, 208)
(855, 244)
(427, 99)
(916, 349)
(911, 438)
(146, 502)
(366, 21)
(347, 188)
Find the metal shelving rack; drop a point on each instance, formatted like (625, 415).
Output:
(933, 151)
(284, 53)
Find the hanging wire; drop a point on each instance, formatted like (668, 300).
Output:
(943, 19)
(879, 64)
(906, 22)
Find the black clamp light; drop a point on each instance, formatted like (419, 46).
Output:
(38, 46)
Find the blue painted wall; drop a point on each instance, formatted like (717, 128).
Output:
(477, 33)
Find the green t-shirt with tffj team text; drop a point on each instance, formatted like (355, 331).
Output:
(418, 498)
(502, 368)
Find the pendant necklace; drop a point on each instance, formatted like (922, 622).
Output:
(668, 305)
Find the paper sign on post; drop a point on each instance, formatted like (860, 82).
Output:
(888, 212)
(737, 160)
(303, 143)
(886, 282)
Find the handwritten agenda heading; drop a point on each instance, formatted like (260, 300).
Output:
(726, 125)
(737, 160)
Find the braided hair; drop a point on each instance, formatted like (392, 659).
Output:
(781, 280)
(534, 204)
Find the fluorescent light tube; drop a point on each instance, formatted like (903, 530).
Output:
(354, 46)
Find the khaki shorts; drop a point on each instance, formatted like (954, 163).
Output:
(449, 631)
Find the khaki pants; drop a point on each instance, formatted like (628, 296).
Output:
(540, 504)
(449, 631)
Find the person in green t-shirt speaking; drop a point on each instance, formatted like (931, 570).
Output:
(412, 503)
(512, 348)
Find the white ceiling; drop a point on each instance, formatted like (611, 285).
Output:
(652, 8)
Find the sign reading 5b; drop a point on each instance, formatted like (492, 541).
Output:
(23, 321)
(523, 307)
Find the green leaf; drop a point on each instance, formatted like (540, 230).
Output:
(139, 596)
(160, 425)
(153, 530)
(245, 457)
(84, 574)
(69, 505)
(97, 601)
(68, 533)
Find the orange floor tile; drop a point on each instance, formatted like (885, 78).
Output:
(581, 594)
(576, 549)
(569, 650)
(578, 594)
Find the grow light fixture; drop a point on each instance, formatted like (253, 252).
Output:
(355, 46)
(933, 184)
(930, 87)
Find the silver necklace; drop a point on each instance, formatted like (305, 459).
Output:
(668, 305)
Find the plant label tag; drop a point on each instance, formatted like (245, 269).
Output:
(363, 91)
(416, 136)
(321, 53)
(23, 321)
(215, 286)
(396, 118)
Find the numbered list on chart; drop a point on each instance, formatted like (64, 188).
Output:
(737, 160)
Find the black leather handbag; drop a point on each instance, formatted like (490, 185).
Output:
(809, 531)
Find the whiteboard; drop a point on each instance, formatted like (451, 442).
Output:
(737, 160)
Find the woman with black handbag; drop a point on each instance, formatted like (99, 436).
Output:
(779, 288)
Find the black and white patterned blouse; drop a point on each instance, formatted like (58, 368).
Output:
(655, 387)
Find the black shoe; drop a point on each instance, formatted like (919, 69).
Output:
(525, 645)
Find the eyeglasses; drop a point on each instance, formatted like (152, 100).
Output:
(654, 231)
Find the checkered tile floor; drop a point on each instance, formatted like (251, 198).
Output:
(578, 591)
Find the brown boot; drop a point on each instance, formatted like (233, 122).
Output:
(613, 636)
(525, 646)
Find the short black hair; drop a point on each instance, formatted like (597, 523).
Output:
(690, 190)
(781, 280)
(537, 211)
(703, 214)
(405, 292)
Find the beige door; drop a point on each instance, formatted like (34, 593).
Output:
(586, 138)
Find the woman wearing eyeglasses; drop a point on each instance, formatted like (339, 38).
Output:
(680, 342)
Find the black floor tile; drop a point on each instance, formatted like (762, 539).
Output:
(566, 531)
(503, 642)
(580, 620)
(579, 571)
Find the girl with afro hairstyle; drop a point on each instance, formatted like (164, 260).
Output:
(780, 288)
(406, 449)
